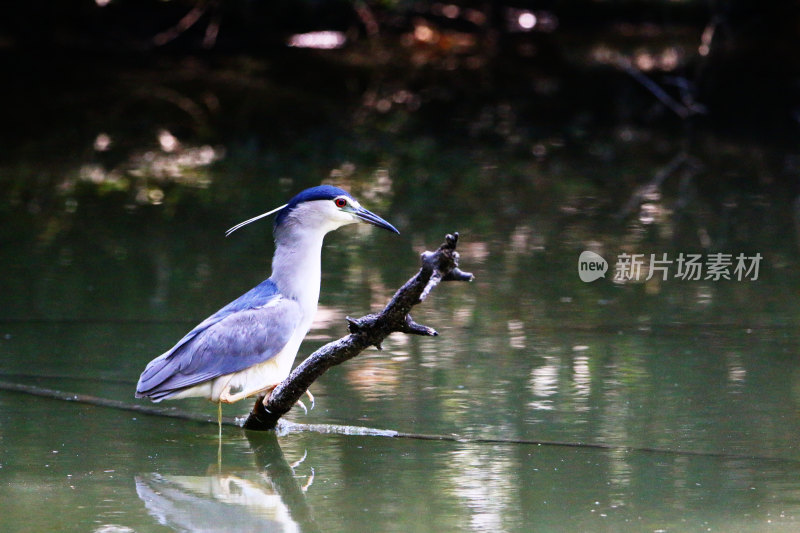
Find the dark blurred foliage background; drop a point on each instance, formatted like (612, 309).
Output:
(557, 64)
(506, 105)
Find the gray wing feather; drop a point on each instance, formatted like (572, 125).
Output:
(236, 342)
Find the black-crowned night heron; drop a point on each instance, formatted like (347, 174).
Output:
(248, 347)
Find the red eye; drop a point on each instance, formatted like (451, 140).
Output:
(340, 202)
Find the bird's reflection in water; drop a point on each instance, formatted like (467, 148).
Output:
(268, 498)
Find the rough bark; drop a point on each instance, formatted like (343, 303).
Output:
(369, 330)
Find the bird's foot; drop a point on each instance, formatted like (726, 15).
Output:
(311, 397)
(301, 404)
(227, 397)
(313, 402)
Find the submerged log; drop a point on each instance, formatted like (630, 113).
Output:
(369, 330)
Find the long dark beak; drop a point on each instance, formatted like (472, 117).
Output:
(371, 218)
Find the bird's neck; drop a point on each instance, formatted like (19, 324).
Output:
(296, 265)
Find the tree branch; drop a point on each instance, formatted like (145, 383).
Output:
(369, 330)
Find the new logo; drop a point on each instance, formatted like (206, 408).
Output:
(591, 266)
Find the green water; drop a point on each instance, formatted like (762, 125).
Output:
(689, 388)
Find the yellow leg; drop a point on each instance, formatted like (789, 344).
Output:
(227, 397)
(310, 397)
(219, 419)
(219, 435)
